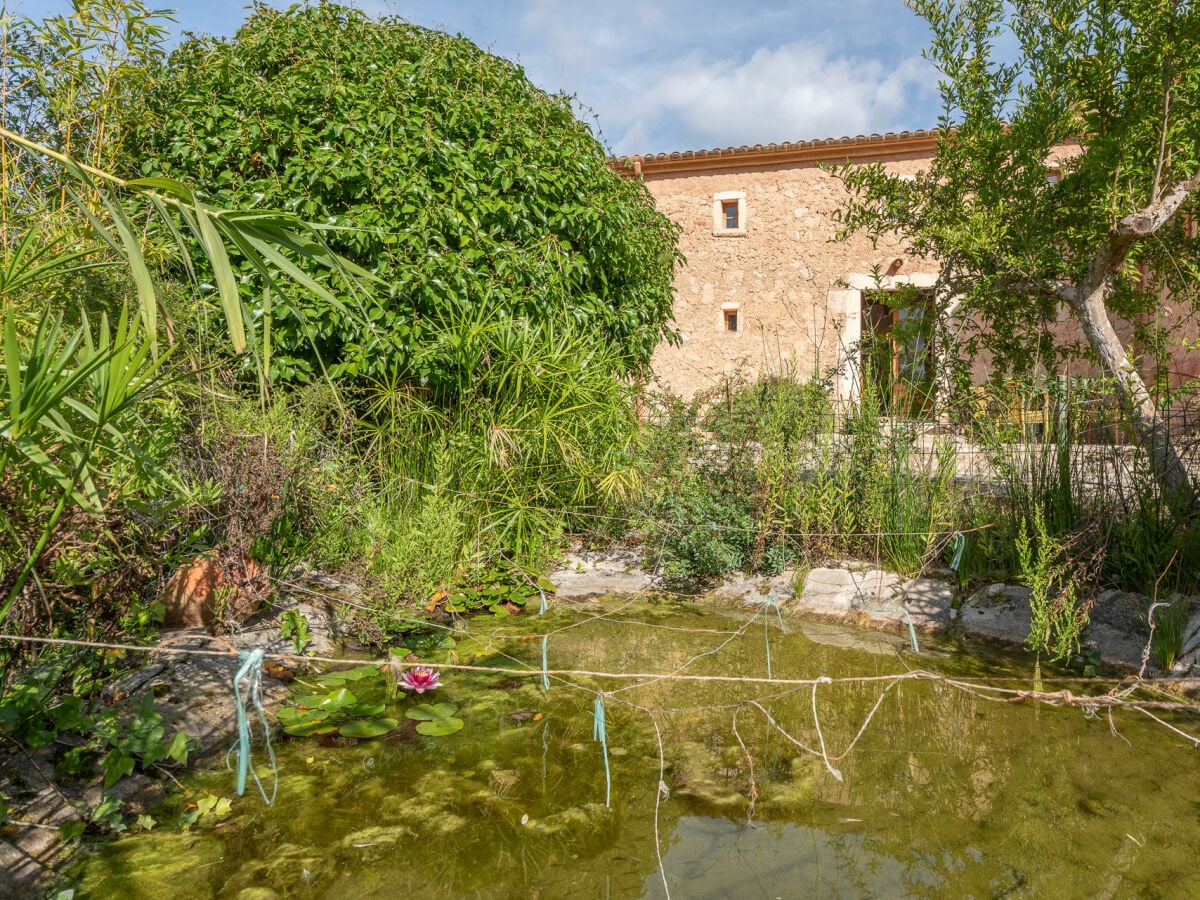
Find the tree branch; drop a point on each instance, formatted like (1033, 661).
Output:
(1128, 231)
(1146, 221)
(1063, 290)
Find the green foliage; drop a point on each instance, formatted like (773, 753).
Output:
(761, 476)
(435, 720)
(540, 441)
(1108, 94)
(55, 701)
(435, 165)
(1058, 612)
(208, 810)
(68, 413)
(338, 710)
(294, 624)
(700, 535)
(77, 77)
(1170, 631)
(495, 589)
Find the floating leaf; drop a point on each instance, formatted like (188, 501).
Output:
(291, 715)
(428, 712)
(367, 728)
(364, 710)
(310, 728)
(336, 679)
(336, 700)
(439, 727)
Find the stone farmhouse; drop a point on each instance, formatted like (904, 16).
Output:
(767, 290)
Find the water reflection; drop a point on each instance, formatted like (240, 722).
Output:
(944, 795)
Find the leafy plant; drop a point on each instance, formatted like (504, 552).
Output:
(502, 588)
(207, 809)
(1170, 630)
(142, 741)
(338, 710)
(294, 624)
(1058, 613)
(435, 720)
(436, 165)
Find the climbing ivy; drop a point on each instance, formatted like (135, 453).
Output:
(434, 164)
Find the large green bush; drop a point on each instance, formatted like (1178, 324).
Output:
(437, 166)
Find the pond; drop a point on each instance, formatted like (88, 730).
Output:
(945, 794)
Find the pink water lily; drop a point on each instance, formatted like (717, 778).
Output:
(419, 679)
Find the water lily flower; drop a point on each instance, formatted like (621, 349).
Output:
(419, 679)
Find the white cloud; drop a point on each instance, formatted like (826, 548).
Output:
(798, 91)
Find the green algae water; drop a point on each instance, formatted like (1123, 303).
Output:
(945, 794)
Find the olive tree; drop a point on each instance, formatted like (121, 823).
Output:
(1117, 84)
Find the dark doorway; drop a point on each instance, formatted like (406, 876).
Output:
(897, 346)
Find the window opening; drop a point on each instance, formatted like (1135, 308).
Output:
(731, 319)
(897, 347)
(729, 212)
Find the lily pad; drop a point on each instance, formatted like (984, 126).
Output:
(439, 727)
(427, 712)
(309, 728)
(336, 679)
(291, 715)
(364, 710)
(334, 700)
(367, 728)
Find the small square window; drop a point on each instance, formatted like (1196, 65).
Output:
(731, 320)
(729, 209)
(729, 214)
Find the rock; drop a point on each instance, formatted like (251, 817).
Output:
(1000, 612)
(588, 821)
(1189, 659)
(836, 635)
(587, 574)
(928, 603)
(828, 592)
(381, 836)
(292, 870)
(751, 590)
(877, 599)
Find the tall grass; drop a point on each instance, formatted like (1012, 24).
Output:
(788, 481)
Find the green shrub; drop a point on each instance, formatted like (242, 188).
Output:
(437, 166)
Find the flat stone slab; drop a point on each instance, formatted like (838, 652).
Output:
(877, 599)
(828, 592)
(777, 588)
(587, 574)
(999, 613)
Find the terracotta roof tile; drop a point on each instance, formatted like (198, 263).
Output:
(719, 153)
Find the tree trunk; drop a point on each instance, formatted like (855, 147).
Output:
(1151, 426)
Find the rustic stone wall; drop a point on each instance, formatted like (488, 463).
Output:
(793, 288)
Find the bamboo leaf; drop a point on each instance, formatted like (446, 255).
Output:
(169, 186)
(223, 273)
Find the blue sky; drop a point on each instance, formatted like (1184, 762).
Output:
(662, 75)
